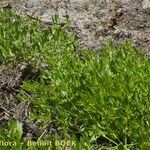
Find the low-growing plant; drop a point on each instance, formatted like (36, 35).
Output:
(102, 100)
(101, 97)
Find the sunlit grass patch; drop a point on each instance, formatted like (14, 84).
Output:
(98, 100)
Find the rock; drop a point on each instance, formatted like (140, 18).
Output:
(146, 4)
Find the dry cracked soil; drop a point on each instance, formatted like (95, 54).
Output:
(93, 21)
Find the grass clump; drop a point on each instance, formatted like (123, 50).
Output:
(100, 100)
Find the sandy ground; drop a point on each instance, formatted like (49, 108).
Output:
(96, 21)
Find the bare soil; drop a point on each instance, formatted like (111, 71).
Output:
(96, 21)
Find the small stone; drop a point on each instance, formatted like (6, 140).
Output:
(146, 4)
(29, 136)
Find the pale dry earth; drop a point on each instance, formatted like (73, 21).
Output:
(95, 21)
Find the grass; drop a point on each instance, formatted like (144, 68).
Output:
(99, 100)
